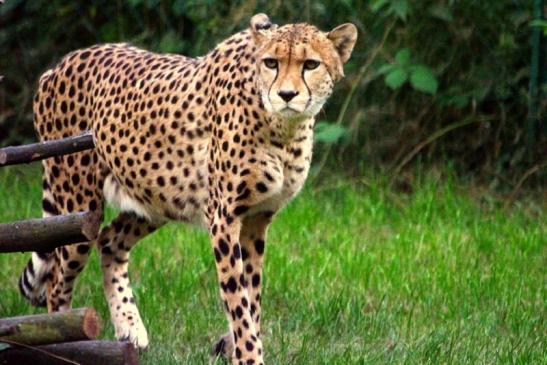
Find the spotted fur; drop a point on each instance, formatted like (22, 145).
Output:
(222, 141)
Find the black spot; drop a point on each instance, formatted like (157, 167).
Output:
(223, 246)
(239, 312)
(218, 257)
(260, 186)
(259, 246)
(237, 251)
(231, 285)
(241, 186)
(75, 179)
(85, 160)
(64, 252)
(249, 346)
(240, 209)
(84, 55)
(83, 249)
(246, 193)
(256, 280)
(49, 208)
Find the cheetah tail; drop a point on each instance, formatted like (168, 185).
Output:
(32, 283)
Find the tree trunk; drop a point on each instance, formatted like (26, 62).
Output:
(75, 325)
(39, 151)
(81, 352)
(45, 234)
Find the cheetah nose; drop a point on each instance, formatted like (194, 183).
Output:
(287, 95)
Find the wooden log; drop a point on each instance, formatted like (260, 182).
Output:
(81, 352)
(39, 151)
(41, 329)
(45, 234)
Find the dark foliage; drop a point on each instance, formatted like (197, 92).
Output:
(430, 80)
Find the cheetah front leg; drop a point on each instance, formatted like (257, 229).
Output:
(252, 239)
(225, 233)
(114, 243)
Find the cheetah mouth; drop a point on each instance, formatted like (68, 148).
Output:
(289, 111)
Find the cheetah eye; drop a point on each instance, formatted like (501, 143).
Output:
(270, 63)
(311, 64)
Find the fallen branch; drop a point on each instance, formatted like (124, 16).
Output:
(45, 234)
(39, 151)
(80, 352)
(41, 329)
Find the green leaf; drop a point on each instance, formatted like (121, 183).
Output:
(385, 68)
(134, 3)
(538, 23)
(422, 79)
(400, 8)
(170, 43)
(329, 133)
(377, 5)
(396, 78)
(458, 101)
(109, 32)
(442, 12)
(403, 56)
(541, 24)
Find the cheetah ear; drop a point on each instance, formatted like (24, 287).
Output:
(261, 27)
(343, 37)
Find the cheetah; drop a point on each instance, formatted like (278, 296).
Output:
(222, 141)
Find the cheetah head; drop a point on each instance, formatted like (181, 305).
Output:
(298, 64)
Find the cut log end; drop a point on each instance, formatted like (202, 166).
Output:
(9, 330)
(91, 225)
(91, 323)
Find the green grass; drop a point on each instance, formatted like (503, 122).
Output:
(353, 276)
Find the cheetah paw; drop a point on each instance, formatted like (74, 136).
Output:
(136, 334)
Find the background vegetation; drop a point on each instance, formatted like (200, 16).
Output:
(430, 80)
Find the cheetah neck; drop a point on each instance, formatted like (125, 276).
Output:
(286, 131)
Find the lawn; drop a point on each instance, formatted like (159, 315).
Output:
(354, 275)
